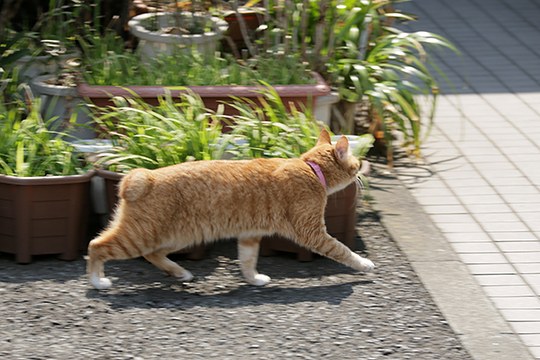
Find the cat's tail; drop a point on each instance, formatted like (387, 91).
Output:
(136, 184)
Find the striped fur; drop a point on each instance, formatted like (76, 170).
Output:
(168, 209)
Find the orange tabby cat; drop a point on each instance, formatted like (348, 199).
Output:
(168, 209)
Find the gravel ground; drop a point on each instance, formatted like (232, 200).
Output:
(313, 310)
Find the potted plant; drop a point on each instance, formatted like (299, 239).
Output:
(165, 32)
(216, 80)
(274, 131)
(61, 104)
(146, 136)
(53, 30)
(44, 188)
(353, 46)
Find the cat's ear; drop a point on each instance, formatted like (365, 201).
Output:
(342, 148)
(324, 138)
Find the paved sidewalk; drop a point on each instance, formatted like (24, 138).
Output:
(481, 181)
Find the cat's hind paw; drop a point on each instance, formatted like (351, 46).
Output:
(186, 276)
(260, 280)
(100, 283)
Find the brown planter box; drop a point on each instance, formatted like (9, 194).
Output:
(44, 215)
(340, 218)
(112, 180)
(212, 96)
(253, 18)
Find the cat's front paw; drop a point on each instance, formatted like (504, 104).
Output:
(368, 265)
(100, 283)
(259, 280)
(362, 264)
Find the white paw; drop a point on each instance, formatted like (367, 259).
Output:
(260, 280)
(368, 265)
(362, 264)
(100, 283)
(186, 276)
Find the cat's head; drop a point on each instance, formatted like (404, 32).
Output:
(337, 163)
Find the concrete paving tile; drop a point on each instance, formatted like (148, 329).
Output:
(481, 199)
(512, 189)
(526, 327)
(508, 291)
(430, 182)
(496, 217)
(444, 209)
(516, 181)
(523, 302)
(534, 225)
(499, 166)
(459, 227)
(525, 207)
(513, 236)
(467, 237)
(502, 173)
(524, 257)
(535, 288)
(483, 258)
(473, 190)
(531, 339)
(519, 246)
(504, 226)
(532, 279)
(528, 268)
(428, 192)
(521, 314)
(475, 247)
(491, 269)
(499, 280)
(535, 351)
(517, 150)
(469, 183)
(488, 208)
(488, 158)
(522, 198)
(452, 218)
(437, 200)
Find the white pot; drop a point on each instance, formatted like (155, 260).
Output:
(323, 107)
(59, 104)
(152, 43)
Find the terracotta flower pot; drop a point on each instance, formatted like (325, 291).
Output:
(212, 96)
(253, 17)
(44, 215)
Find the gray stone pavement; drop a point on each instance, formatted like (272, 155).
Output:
(480, 183)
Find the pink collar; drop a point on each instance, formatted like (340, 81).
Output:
(317, 169)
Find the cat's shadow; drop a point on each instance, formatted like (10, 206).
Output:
(185, 297)
(219, 283)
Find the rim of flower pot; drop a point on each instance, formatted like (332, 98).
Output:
(257, 10)
(320, 88)
(219, 27)
(47, 180)
(108, 174)
(40, 85)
